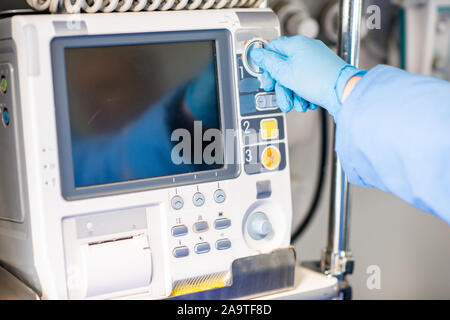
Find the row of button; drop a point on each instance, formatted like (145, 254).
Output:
(198, 199)
(200, 248)
(201, 226)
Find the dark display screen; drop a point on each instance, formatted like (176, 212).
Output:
(125, 102)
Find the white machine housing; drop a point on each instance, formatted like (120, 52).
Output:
(121, 244)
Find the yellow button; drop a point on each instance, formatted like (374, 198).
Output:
(271, 157)
(269, 128)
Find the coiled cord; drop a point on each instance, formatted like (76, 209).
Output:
(92, 6)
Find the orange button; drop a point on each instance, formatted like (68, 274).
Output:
(271, 157)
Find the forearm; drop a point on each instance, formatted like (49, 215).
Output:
(392, 133)
(349, 87)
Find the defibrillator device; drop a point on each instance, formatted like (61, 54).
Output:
(140, 155)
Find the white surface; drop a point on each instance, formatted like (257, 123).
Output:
(310, 285)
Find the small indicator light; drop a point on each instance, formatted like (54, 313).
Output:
(4, 84)
(6, 117)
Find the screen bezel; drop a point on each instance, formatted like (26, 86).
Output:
(227, 102)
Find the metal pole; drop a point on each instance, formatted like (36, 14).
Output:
(336, 258)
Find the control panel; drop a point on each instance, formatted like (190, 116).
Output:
(213, 222)
(200, 222)
(263, 136)
(262, 124)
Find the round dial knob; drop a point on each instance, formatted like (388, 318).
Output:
(249, 65)
(259, 226)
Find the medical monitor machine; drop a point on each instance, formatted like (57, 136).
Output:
(141, 157)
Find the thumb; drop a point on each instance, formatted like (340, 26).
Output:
(270, 61)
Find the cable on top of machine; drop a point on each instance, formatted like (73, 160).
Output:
(92, 6)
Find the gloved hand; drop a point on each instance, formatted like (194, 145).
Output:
(304, 72)
(201, 97)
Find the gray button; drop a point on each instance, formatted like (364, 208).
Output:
(203, 247)
(219, 196)
(179, 231)
(181, 252)
(201, 226)
(263, 189)
(265, 101)
(177, 202)
(259, 226)
(222, 223)
(271, 100)
(260, 102)
(198, 199)
(223, 244)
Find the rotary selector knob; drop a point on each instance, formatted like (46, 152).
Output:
(259, 226)
(249, 65)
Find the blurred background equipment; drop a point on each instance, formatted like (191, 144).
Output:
(425, 37)
(295, 19)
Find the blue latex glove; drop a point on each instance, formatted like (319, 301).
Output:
(201, 97)
(304, 73)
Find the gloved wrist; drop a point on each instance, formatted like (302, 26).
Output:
(345, 74)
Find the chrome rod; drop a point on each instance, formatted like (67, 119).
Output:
(336, 258)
